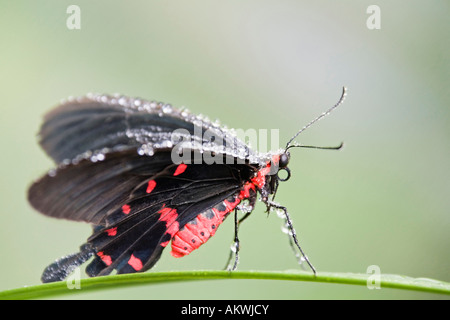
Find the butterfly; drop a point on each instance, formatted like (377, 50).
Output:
(147, 175)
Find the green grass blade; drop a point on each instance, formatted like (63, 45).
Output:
(117, 281)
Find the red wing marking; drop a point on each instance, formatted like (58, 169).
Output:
(151, 185)
(165, 243)
(111, 232)
(105, 258)
(169, 215)
(136, 263)
(180, 169)
(126, 209)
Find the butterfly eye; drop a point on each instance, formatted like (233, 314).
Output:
(284, 160)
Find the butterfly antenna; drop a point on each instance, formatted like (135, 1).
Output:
(341, 100)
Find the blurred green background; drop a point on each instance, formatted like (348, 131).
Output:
(383, 200)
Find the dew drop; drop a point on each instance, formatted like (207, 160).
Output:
(280, 213)
(137, 102)
(233, 247)
(52, 172)
(167, 108)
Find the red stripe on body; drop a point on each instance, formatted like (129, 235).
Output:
(199, 230)
(260, 178)
(245, 192)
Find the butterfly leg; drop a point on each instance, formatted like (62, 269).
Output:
(292, 233)
(235, 247)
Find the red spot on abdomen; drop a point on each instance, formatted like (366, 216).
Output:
(199, 230)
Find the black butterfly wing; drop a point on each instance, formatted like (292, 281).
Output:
(95, 191)
(98, 124)
(110, 151)
(90, 191)
(134, 243)
(137, 204)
